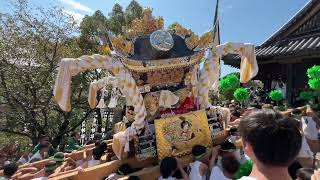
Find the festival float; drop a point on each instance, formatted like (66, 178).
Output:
(165, 77)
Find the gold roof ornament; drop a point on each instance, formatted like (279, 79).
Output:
(146, 47)
(146, 25)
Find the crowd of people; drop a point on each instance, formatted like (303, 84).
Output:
(273, 147)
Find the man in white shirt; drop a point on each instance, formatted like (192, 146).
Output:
(310, 131)
(272, 142)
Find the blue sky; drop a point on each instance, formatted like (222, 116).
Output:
(240, 20)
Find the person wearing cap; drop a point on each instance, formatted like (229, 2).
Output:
(59, 158)
(73, 142)
(198, 168)
(62, 163)
(43, 174)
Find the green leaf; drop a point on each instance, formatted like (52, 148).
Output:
(314, 72)
(241, 94)
(306, 95)
(276, 95)
(314, 84)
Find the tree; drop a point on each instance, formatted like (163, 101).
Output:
(32, 42)
(93, 33)
(117, 19)
(133, 11)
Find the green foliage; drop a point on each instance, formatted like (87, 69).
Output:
(244, 170)
(33, 40)
(306, 95)
(276, 95)
(229, 82)
(117, 19)
(314, 72)
(314, 84)
(93, 30)
(241, 94)
(133, 11)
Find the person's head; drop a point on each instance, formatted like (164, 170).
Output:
(168, 166)
(269, 138)
(235, 115)
(227, 146)
(9, 170)
(98, 137)
(230, 165)
(125, 169)
(97, 153)
(304, 173)
(97, 143)
(58, 158)
(199, 152)
(50, 167)
(293, 168)
(103, 146)
(75, 135)
(296, 114)
(44, 140)
(133, 178)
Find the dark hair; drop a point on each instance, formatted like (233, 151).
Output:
(230, 164)
(236, 113)
(97, 153)
(305, 173)
(103, 146)
(168, 166)
(97, 143)
(42, 136)
(10, 169)
(125, 169)
(133, 178)
(293, 168)
(198, 150)
(275, 140)
(98, 136)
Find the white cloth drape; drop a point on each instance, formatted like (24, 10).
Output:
(209, 75)
(69, 67)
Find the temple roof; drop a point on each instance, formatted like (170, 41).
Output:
(299, 36)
